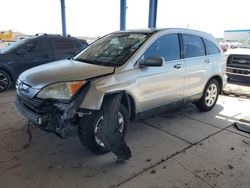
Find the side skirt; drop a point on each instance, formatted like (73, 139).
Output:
(167, 107)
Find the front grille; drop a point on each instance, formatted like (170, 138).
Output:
(31, 102)
(34, 105)
(239, 61)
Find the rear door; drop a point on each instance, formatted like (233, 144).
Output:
(196, 64)
(162, 85)
(64, 48)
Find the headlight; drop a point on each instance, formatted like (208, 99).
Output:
(63, 91)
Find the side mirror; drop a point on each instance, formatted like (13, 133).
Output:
(21, 51)
(152, 62)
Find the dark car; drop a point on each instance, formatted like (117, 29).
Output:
(33, 51)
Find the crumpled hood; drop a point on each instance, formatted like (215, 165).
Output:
(60, 71)
(239, 51)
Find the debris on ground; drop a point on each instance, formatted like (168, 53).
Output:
(153, 171)
(232, 148)
(148, 160)
(230, 166)
(245, 141)
(25, 146)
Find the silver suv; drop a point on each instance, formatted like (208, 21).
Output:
(123, 76)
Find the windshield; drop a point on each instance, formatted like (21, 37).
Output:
(13, 45)
(245, 44)
(113, 50)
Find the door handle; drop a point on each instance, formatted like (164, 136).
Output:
(207, 61)
(177, 66)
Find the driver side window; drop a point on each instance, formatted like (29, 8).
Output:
(166, 46)
(28, 47)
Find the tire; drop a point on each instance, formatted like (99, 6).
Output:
(87, 131)
(5, 81)
(206, 103)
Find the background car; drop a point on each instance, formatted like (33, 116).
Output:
(238, 62)
(33, 51)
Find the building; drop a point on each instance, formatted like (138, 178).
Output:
(236, 35)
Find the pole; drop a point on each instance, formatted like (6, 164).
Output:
(63, 17)
(152, 13)
(123, 15)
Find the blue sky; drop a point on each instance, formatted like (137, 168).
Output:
(98, 17)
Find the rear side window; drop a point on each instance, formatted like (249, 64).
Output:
(211, 48)
(42, 45)
(64, 44)
(166, 46)
(193, 46)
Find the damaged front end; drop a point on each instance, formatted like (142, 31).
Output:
(60, 117)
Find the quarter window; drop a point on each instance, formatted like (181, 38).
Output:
(166, 46)
(210, 47)
(193, 46)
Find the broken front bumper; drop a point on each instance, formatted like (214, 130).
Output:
(32, 116)
(53, 116)
(48, 121)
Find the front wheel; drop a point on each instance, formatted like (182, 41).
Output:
(89, 134)
(209, 97)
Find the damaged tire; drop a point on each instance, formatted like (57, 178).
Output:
(89, 130)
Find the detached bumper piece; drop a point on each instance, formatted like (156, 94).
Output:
(49, 121)
(243, 124)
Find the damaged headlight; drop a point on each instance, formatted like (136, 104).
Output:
(63, 91)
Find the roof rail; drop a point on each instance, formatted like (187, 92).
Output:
(39, 34)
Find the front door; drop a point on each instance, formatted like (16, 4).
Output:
(161, 85)
(37, 52)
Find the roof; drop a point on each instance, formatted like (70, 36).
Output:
(155, 30)
(238, 30)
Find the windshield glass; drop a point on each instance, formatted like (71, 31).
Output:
(113, 50)
(13, 45)
(245, 44)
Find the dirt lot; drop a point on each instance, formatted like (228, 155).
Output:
(184, 148)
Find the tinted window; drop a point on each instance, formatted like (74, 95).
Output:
(41, 46)
(29, 46)
(63, 44)
(37, 46)
(166, 46)
(210, 47)
(193, 46)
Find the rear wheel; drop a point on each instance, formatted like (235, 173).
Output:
(209, 97)
(89, 126)
(5, 81)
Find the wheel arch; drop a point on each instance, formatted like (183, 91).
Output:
(127, 100)
(218, 78)
(9, 72)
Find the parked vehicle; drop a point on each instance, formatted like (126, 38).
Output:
(238, 62)
(129, 75)
(33, 51)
